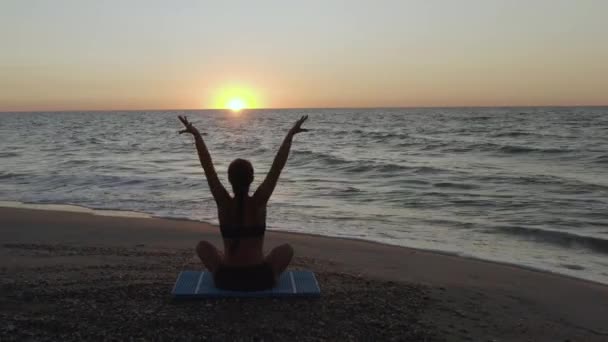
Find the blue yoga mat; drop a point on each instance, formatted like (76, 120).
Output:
(198, 284)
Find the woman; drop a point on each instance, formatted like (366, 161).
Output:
(243, 265)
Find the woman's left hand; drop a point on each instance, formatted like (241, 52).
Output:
(297, 127)
(189, 127)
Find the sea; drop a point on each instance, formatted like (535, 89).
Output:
(523, 186)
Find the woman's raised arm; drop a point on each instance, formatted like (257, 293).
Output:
(264, 191)
(217, 189)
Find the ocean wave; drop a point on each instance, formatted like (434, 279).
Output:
(514, 134)
(451, 223)
(478, 118)
(514, 149)
(316, 155)
(405, 144)
(9, 175)
(347, 191)
(550, 183)
(459, 146)
(567, 185)
(8, 154)
(75, 162)
(428, 170)
(462, 186)
(435, 145)
(453, 148)
(560, 238)
(601, 159)
(384, 136)
(377, 135)
(573, 267)
(315, 180)
(131, 182)
(372, 167)
(381, 134)
(354, 166)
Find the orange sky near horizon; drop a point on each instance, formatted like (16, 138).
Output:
(177, 55)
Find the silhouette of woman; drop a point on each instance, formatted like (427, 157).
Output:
(242, 218)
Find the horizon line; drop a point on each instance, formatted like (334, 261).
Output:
(301, 108)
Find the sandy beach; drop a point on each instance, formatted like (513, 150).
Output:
(74, 276)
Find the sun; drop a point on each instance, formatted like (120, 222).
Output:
(236, 98)
(236, 104)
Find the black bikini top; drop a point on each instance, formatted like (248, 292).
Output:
(230, 231)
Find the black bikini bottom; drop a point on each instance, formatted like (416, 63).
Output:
(244, 278)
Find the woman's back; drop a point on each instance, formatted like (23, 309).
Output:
(247, 214)
(243, 226)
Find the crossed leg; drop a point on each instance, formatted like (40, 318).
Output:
(210, 256)
(279, 258)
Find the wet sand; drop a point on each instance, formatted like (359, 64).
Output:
(74, 276)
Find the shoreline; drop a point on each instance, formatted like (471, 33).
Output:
(74, 261)
(73, 208)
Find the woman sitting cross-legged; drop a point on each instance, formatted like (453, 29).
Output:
(242, 218)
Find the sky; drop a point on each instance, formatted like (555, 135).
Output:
(182, 54)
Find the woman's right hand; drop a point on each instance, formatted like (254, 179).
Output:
(189, 127)
(297, 127)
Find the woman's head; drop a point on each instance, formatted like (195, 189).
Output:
(240, 175)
